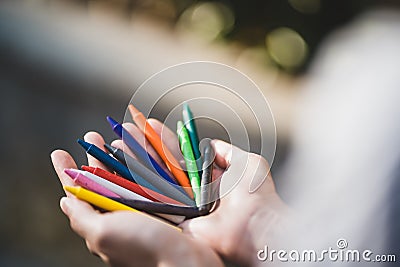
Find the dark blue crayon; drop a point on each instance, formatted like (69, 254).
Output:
(115, 165)
(139, 151)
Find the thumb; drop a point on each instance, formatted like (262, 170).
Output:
(223, 153)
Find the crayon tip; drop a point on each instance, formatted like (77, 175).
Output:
(186, 113)
(71, 173)
(112, 122)
(110, 148)
(84, 144)
(87, 168)
(116, 126)
(179, 127)
(71, 189)
(133, 110)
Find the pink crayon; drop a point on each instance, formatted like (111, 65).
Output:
(87, 183)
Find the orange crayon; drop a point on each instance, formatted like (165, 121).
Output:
(162, 150)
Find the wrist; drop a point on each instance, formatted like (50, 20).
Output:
(189, 252)
(251, 226)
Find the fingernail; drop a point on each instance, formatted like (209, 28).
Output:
(65, 204)
(52, 153)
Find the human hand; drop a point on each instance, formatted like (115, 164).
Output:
(123, 238)
(243, 222)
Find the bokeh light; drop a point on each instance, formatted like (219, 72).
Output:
(286, 47)
(207, 20)
(306, 6)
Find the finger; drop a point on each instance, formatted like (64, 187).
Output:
(121, 145)
(203, 229)
(62, 160)
(217, 173)
(84, 221)
(83, 218)
(97, 140)
(168, 137)
(223, 153)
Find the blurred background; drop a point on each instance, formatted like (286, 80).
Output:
(65, 65)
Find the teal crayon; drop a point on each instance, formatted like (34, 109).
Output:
(192, 131)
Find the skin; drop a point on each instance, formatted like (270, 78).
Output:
(121, 236)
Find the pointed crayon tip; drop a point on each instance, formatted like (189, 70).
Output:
(71, 173)
(80, 141)
(117, 127)
(72, 189)
(112, 122)
(179, 126)
(110, 148)
(84, 144)
(186, 113)
(87, 168)
(133, 110)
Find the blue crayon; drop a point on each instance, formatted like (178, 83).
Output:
(173, 191)
(115, 165)
(139, 151)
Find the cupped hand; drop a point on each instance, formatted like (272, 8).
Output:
(244, 218)
(124, 238)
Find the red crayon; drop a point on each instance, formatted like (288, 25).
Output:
(147, 193)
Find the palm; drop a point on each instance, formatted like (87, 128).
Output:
(119, 237)
(221, 230)
(225, 227)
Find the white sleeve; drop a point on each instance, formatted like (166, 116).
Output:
(346, 139)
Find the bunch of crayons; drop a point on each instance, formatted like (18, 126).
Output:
(142, 184)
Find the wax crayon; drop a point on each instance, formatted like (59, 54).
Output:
(155, 207)
(142, 155)
(119, 190)
(192, 131)
(115, 165)
(104, 202)
(162, 150)
(89, 184)
(130, 185)
(172, 191)
(206, 179)
(188, 155)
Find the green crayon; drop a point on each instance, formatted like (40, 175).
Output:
(190, 160)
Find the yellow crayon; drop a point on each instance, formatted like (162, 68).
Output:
(97, 200)
(104, 202)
